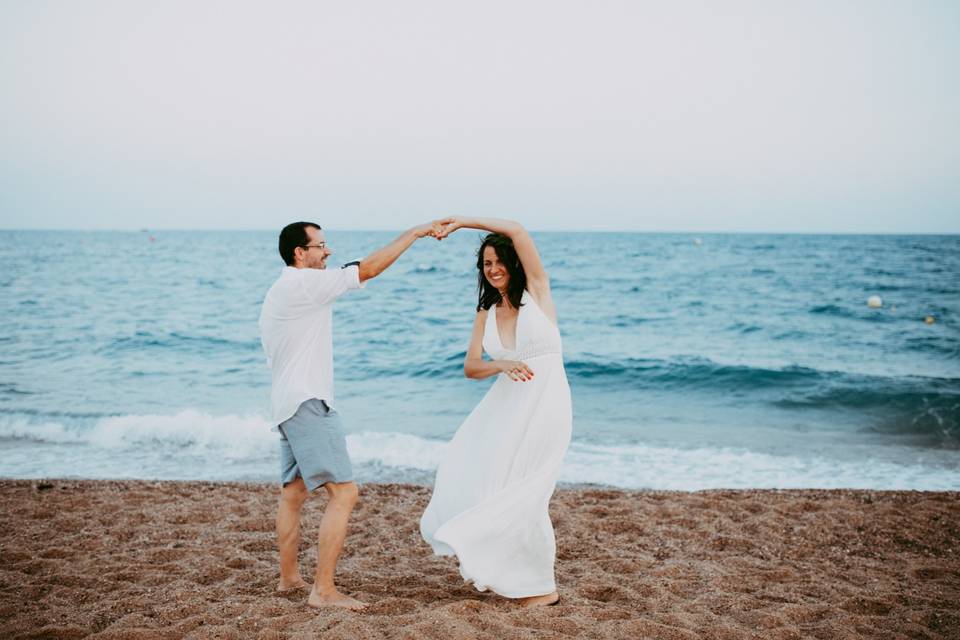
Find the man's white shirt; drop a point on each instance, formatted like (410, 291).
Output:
(296, 330)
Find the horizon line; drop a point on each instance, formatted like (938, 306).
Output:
(532, 230)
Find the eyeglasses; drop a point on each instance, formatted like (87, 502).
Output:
(322, 245)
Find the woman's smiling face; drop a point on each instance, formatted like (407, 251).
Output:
(494, 270)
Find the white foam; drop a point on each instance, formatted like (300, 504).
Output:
(195, 445)
(399, 450)
(232, 437)
(648, 467)
(54, 432)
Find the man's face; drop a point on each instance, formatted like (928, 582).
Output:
(316, 252)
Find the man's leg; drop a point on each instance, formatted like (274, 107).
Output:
(292, 497)
(333, 531)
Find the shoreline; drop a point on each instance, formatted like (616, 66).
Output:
(172, 559)
(561, 486)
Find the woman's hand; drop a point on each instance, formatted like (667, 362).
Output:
(435, 229)
(517, 370)
(450, 224)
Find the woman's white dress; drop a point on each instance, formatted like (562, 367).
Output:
(493, 485)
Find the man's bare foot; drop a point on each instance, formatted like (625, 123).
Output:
(540, 601)
(334, 599)
(289, 585)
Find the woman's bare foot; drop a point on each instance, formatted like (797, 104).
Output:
(540, 601)
(334, 599)
(298, 583)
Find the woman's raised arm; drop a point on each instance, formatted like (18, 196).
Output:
(538, 282)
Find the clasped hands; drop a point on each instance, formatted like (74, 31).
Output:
(439, 228)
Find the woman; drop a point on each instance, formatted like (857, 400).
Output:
(493, 486)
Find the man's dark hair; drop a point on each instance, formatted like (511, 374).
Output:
(488, 295)
(294, 235)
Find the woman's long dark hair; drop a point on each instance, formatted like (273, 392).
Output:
(488, 294)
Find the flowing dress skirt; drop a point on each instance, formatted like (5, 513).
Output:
(493, 486)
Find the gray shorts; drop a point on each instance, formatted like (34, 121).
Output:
(314, 447)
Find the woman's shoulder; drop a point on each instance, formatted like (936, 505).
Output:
(544, 301)
(538, 294)
(480, 321)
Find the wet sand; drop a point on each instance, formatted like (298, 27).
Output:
(198, 560)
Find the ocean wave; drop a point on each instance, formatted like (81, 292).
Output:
(914, 407)
(637, 373)
(229, 436)
(907, 405)
(744, 328)
(891, 393)
(685, 373)
(934, 344)
(889, 313)
(45, 414)
(429, 268)
(650, 467)
(450, 366)
(624, 320)
(175, 341)
(11, 388)
(193, 445)
(851, 313)
(47, 432)
(641, 466)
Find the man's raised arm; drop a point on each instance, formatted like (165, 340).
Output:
(377, 262)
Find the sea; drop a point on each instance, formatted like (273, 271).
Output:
(695, 361)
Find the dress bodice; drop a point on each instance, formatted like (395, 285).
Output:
(537, 335)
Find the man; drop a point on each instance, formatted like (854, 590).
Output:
(296, 332)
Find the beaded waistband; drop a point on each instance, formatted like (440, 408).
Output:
(534, 352)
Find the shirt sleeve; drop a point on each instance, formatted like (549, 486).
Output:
(326, 285)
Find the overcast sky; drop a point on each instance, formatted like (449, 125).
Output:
(651, 116)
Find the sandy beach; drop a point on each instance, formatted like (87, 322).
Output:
(119, 559)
